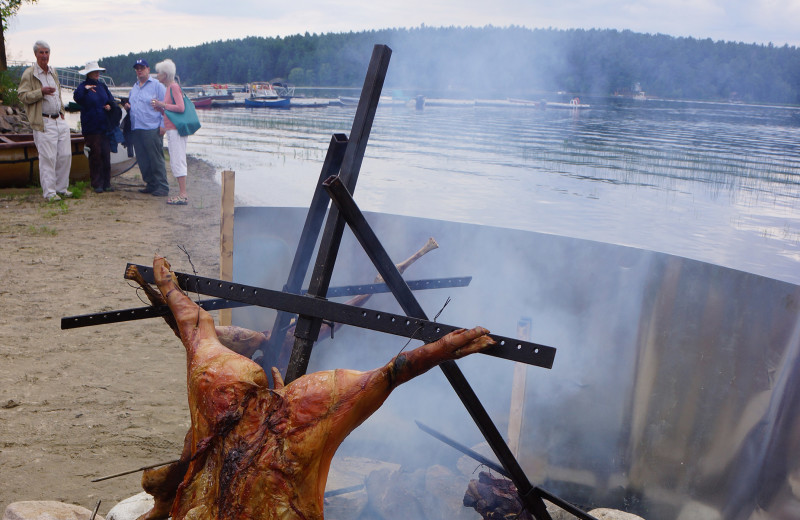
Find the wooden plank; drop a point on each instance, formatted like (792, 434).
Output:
(226, 236)
(518, 392)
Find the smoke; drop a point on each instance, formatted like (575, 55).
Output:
(648, 378)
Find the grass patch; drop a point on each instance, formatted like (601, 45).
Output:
(42, 230)
(57, 208)
(79, 189)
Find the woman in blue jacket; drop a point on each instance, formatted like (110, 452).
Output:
(96, 102)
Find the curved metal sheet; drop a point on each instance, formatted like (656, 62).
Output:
(675, 391)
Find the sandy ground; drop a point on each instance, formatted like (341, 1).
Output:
(84, 403)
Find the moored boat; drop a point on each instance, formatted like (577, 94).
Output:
(19, 161)
(267, 103)
(202, 101)
(267, 90)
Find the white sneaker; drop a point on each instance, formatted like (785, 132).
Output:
(66, 194)
(53, 198)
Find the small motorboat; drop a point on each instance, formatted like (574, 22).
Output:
(253, 102)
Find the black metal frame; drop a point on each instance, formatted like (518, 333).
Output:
(142, 313)
(340, 173)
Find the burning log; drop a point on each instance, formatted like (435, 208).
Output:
(495, 498)
(257, 452)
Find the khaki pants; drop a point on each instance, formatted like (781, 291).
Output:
(55, 156)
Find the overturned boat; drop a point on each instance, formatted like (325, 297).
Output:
(19, 161)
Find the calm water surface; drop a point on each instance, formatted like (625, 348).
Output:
(712, 182)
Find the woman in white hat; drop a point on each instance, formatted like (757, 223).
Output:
(96, 101)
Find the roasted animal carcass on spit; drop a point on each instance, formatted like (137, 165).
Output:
(163, 482)
(255, 452)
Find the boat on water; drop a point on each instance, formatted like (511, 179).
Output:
(202, 101)
(543, 104)
(217, 92)
(253, 102)
(267, 90)
(19, 161)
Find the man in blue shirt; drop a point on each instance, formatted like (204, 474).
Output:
(147, 130)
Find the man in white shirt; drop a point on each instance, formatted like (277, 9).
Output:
(40, 92)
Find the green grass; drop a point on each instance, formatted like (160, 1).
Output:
(55, 209)
(79, 189)
(42, 230)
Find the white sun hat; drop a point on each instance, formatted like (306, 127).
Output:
(91, 66)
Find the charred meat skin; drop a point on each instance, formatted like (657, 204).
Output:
(257, 452)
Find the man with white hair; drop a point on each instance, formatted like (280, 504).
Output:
(40, 92)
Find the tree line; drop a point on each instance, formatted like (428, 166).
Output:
(493, 61)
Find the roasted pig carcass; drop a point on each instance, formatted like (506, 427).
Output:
(256, 452)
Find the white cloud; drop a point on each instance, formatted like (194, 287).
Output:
(90, 29)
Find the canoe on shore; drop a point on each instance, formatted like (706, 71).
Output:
(19, 161)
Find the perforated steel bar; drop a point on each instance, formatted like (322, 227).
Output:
(396, 324)
(142, 313)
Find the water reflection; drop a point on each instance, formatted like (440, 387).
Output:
(713, 182)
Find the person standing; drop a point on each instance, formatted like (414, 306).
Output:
(147, 130)
(40, 93)
(96, 102)
(173, 101)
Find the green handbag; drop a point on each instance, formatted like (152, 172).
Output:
(187, 121)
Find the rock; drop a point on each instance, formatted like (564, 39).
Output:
(444, 495)
(131, 508)
(13, 120)
(46, 510)
(346, 506)
(347, 472)
(694, 510)
(613, 514)
(393, 494)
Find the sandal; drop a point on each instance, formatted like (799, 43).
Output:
(178, 201)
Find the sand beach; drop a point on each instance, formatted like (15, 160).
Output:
(84, 403)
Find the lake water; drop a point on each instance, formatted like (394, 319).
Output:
(713, 182)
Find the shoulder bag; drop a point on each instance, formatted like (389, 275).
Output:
(187, 121)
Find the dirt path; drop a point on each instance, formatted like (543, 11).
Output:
(83, 403)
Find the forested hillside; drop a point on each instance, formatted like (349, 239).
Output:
(492, 61)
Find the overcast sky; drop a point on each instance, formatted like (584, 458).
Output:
(83, 30)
